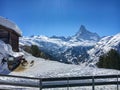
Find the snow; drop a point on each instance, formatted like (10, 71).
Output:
(65, 49)
(84, 34)
(82, 38)
(57, 46)
(5, 50)
(9, 24)
(103, 46)
(39, 39)
(46, 68)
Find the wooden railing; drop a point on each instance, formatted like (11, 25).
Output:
(61, 82)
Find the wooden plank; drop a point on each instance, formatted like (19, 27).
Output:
(24, 77)
(105, 76)
(19, 84)
(8, 29)
(65, 85)
(59, 85)
(79, 84)
(14, 42)
(46, 83)
(79, 78)
(4, 36)
(66, 78)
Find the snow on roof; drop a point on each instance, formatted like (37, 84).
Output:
(9, 24)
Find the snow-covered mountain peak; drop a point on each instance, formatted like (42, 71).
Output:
(84, 46)
(82, 30)
(84, 34)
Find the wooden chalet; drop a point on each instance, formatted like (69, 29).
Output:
(9, 33)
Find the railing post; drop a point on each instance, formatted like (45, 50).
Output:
(67, 83)
(40, 83)
(117, 83)
(93, 83)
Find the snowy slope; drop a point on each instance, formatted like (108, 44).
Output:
(103, 46)
(9, 24)
(47, 68)
(5, 50)
(64, 49)
(75, 51)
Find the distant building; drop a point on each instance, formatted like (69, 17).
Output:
(10, 33)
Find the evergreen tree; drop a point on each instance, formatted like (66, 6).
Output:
(100, 64)
(35, 50)
(110, 60)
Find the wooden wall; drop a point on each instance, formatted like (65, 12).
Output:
(4, 35)
(14, 41)
(9, 37)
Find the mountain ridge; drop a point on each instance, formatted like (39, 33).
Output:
(80, 35)
(75, 49)
(84, 34)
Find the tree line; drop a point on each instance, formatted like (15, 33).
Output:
(35, 51)
(110, 60)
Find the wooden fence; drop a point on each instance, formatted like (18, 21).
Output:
(61, 82)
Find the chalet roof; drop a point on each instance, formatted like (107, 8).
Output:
(11, 25)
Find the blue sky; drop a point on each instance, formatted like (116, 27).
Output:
(63, 17)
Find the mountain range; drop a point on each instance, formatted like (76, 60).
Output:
(83, 47)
